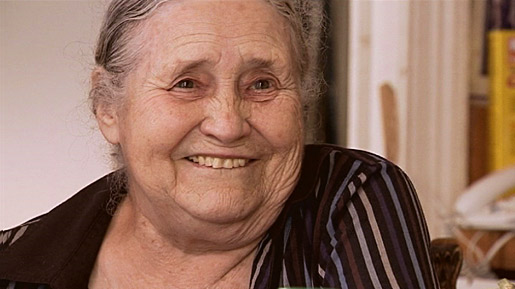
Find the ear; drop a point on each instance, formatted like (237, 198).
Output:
(106, 114)
(108, 122)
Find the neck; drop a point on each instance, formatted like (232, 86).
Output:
(135, 255)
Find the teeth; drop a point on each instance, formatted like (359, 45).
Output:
(218, 163)
(227, 164)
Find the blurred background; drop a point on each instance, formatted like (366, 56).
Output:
(413, 81)
(49, 146)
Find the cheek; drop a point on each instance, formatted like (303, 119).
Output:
(158, 125)
(280, 122)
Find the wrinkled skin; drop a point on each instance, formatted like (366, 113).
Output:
(215, 79)
(211, 131)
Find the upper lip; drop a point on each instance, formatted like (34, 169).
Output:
(224, 156)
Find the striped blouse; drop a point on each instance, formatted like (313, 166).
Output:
(353, 221)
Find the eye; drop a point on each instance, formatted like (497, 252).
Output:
(262, 89)
(188, 88)
(262, 84)
(185, 84)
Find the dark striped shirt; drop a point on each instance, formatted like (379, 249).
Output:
(353, 221)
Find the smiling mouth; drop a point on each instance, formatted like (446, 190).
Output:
(219, 163)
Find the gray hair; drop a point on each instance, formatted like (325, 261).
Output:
(116, 55)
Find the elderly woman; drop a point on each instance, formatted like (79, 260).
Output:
(204, 103)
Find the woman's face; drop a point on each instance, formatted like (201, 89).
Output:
(212, 126)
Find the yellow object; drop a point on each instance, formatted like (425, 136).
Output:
(502, 99)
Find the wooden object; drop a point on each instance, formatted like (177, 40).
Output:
(447, 259)
(390, 121)
(478, 139)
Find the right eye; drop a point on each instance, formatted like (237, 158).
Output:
(188, 88)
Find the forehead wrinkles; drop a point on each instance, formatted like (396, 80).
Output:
(176, 29)
(168, 45)
(225, 19)
(183, 32)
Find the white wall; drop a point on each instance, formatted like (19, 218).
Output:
(421, 49)
(49, 146)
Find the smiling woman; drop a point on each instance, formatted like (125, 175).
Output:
(221, 117)
(204, 104)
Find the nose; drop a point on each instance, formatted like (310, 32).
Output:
(226, 121)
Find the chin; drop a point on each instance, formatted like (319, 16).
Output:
(221, 207)
(222, 215)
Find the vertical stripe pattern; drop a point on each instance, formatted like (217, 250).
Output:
(366, 229)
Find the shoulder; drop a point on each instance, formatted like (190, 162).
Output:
(320, 152)
(91, 197)
(342, 166)
(43, 245)
(9, 236)
(368, 206)
(363, 189)
(349, 175)
(337, 182)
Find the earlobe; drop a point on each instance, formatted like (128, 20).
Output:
(107, 119)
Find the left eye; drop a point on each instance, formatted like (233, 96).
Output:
(262, 84)
(186, 83)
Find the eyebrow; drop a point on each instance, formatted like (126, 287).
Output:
(259, 63)
(191, 65)
(254, 63)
